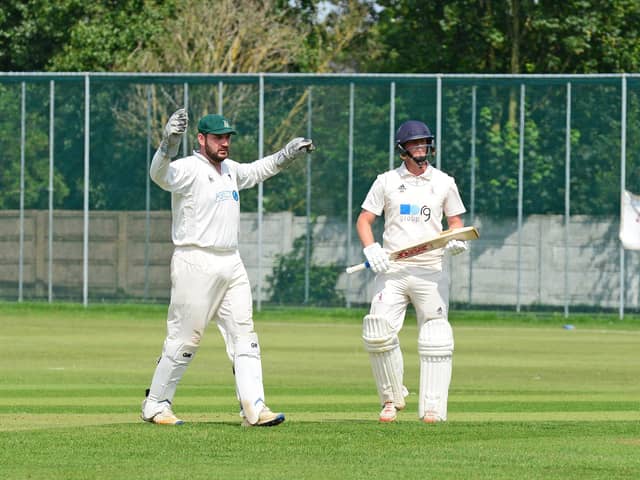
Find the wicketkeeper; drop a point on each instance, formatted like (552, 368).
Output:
(413, 198)
(208, 278)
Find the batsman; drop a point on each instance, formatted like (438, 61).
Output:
(414, 198)
(208, 277)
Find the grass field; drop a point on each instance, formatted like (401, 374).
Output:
(529, 400)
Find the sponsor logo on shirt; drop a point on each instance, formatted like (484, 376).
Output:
(226, 195)
(402, 188)
(414, 213)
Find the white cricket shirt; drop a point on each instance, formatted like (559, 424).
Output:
(205, 204)
(413, 208)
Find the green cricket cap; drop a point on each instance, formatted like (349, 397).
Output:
(217, 124)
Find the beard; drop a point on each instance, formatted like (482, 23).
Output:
(212, 155)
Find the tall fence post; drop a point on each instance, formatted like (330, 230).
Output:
(567, 200)
(85, 232)
(23, 95)
(260, 191)
(392, 125)
(439, 121)
(623, 180)
(520, 195)
(307, 245)
(472, 193)
(50, 226)
(185, 103)
(350, 186)
(147, 199)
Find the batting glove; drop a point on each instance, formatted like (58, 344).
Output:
(294, 149)
(455, 247)
(173, 131)
(377, 257)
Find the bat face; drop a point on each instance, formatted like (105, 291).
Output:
(465, 233)
(413, 251)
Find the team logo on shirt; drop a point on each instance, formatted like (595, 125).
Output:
(414, 213)
(225, 195)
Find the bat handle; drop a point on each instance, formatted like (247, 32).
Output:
(357, 268)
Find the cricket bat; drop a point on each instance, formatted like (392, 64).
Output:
(464, 233)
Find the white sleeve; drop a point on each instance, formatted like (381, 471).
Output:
(453, 203)
(170, 176)
(374, 201)
(250, 174)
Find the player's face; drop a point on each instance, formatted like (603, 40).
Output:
(418, 149)
(215, 147)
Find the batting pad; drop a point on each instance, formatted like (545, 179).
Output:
(176, 356)
(435, 349)
(248, 372)
(385, 355)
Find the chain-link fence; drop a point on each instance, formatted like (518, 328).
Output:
(541, 162)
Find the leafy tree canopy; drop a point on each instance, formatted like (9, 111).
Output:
(505, 36)
(74, 35)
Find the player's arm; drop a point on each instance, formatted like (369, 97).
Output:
(250, 174)
(455, 221)
(364, 227)
(160, 170)
(377, 257)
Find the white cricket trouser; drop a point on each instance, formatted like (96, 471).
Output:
(428, 291)
(205, 284)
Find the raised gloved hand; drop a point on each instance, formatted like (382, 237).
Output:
(294, 149)
(377, 257)
(454, 247)
(173, 131)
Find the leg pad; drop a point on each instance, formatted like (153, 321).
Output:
(385, 355)
(175, 358)
(247, 367)
(435, 349)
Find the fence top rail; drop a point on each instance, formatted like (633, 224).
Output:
(147, 76)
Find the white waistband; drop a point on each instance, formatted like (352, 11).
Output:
(217, 251)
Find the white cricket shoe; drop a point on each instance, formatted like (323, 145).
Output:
(388, 413)
(163, 417)
(267, 418)
(432, 417)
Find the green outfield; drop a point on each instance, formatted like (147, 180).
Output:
(529, 400)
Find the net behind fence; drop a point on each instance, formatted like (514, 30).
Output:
(541, 163)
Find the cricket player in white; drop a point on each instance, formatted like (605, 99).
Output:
(413, 198)
(208, 278)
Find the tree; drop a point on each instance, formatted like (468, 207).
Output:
(74, 35)
(505, 36)
(33, 31)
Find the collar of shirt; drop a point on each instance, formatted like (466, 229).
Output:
(223, 166)
(404, 172)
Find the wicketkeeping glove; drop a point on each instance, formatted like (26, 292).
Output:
(294, 149)
(454, 247)
(377, 257)
(173, 131)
